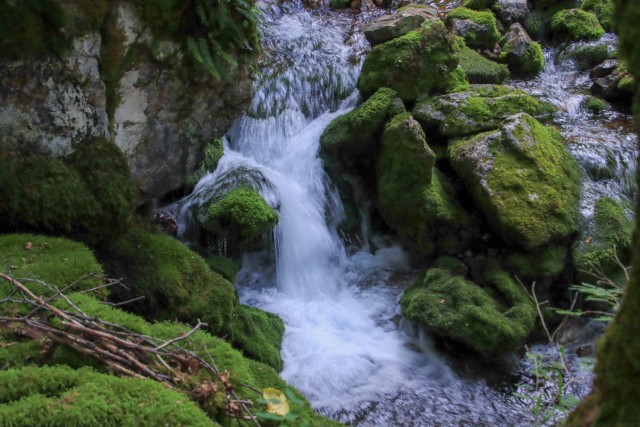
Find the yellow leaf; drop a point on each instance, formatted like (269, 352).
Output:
(281, 407)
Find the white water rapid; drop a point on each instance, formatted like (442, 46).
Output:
(344, 346)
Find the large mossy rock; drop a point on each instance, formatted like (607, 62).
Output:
(607, 235)
(483, 107)
(523, 179)
(415, 198)
(352, 139)
(523, 55)
(495, 318)
(420, 62)
(603, 9)
(176, 283)
(56, 261)
(241, 216)
(478, 28)
(52, 396)
(407, 19)
(479, 69)
(576, 24)
(259, 335)
(90, 195)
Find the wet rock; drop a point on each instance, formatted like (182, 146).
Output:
(586, 56)
(616, 86)
(407, 19)
(478, 28)
(510, 11)
(524, 180)
(524, 56)
(604, 69)
(480, 69)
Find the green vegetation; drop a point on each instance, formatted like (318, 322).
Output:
(588, 56)
(90, 195)
(259, 335)
(212, 155)
(478, 4)
(54, 260)
(415, 198)
(241, 215)
(494, 318)
(483, 33)
(482, 108)
(523, 179)
(576, 24)
(595, 105)
(48, 396)
(480, 69)
(226, 267)
(176, 283)
(546, 262)
(603, 9)
(419, 63)
(530, 63)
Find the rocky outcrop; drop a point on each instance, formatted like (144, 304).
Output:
(126, 84)
(523, 55)
(511, 11)
(407, 19)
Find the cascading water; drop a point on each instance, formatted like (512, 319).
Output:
(343, 347)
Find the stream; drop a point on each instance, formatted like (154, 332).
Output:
(345, 346)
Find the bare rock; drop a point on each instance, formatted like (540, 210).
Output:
(388, 27)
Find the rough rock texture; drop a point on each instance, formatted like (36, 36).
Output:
(407, 19)
(420, 62)
(479, 109)
(46, 105)
(615, 86)
(524, 56)
(523, 179)
(604, 69)
(416, 199)
(129, 86)
(478, 28)
(480, 69)
(510, 11)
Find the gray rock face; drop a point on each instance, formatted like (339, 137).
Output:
(604, 69)
(510, 11)
(162, 117)
(388, 27)
(608, 87)
(47, 105)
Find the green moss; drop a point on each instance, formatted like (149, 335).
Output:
(259, 335)
(352, 138)
(481, 70)
(481, 108)
(595, 105)
(176, 283)
(528, 64)
(339, 4)
(452, 265)
(54, 260)
(458, 81)
(495, 318)
(576, 24)
(226, 267)
(212, 155)
(546, 262)
(420, 62)
(588, 56)
(62, 396)
(627, 84)
(485, 32)
(415, 198)
(478, 4)
(603, 9)
(242, 214)
(524, 180)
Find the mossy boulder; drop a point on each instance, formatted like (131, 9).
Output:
(523, 179)
(478, 28)
(45, 396)
(241, 215)
(576, 24)
(88, 195)
(259, 335)
(226, 267)
(491, 319)
(481, 108)
(603, 9)
(523, 55)
(176, 283)
(350, 142)
(611, 226)
(480, 69)
(212, 155)
(544, 263)
(417, 63)
(415, 198)
(594, 105)
(587, 56)
(56, 261)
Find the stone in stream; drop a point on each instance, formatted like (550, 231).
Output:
(478, 28)
(510, 11)
(524, 56)
(524, 180)
(407, 19)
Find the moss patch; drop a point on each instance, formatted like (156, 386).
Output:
(420, 62)
(495, 318)
(544, 263)
(524, 180)
(576, 24)
(480, 69)
(588, 56)
(212, 155)
(259, 335)
(530, 63)
(480, 31)
(603, 9)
